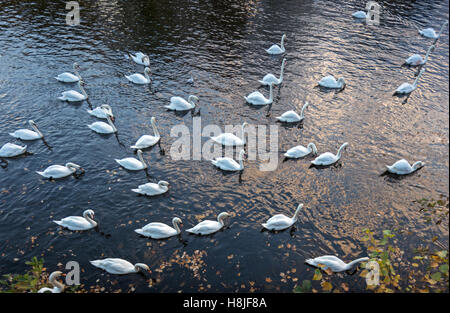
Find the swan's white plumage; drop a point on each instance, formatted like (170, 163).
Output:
(270, 79)
(329, 158)
(331, 82)
(275, 49)
(300, 151)
(228, 164)
(59, 171)
(10, 150)
(334, 263)
(228, 139)
(257, 98)
(159, 230)
(101, 112)
(402, 167)
(133, 164)
(139, 78)
(26, 134)
(84, 222)
(152, 189)
(281, 221)
(118, 266)
(209, 227)
(359, 14)
(180, 104)
(141, 58)
(147, 141)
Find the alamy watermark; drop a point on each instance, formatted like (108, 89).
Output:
(373, 13)
(73, 17)
(261, 143)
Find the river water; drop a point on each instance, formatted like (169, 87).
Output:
(222, 44)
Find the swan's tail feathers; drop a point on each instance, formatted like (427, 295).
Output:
(262, 82)
(279, 118)
(62, 98)
(12, 134)
(190, 230)
(139, 231)
(310, 262)
(58, 222)
(136, 190)
(135, 147)
(97, 263)
(265, 225)
(40, 173)
(128, 77)
(168, 107)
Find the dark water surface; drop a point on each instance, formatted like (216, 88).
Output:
(222, 43)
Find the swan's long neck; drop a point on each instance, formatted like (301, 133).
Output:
(37, 130)
(353, 263)
(177, 228)
(111, 123)
(312, 147)
(302, 113)
(82, 90)
(427, 55)
(417, 79)
(141, 159)
(76, 72)
(155, 130)
(91, 221)
(146, 75)
(416, 165)
(282, 43)
(57, 284)
(442, 29)
(282, 69)
(339, 154)
(297, 212)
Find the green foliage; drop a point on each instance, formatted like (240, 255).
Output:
(304, 288)
(28, 282)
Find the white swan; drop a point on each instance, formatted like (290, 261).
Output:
(133, 164)
(359, 14)
(228, 139)
(160, 230)
(152, 189)
(119, 266)
(416, 59)
(228, 164)
(292, 116)
(59, 171)
(102, 111)
(147, 141)
(79, 223)
(271, 79)
(57, 286)
(329, 158)
(402, 167)
(407, 88)
(26, 134)
(257, 98)
(141, 58)
(10, 150)
(209, 227)
(281, 221)
(331, 82)
(300, 151)
(104, 128)
(430, 33)
(69, 77)
(179, 104)
(139, 78)
(74, 96)
(275, 49)
(334, 263)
